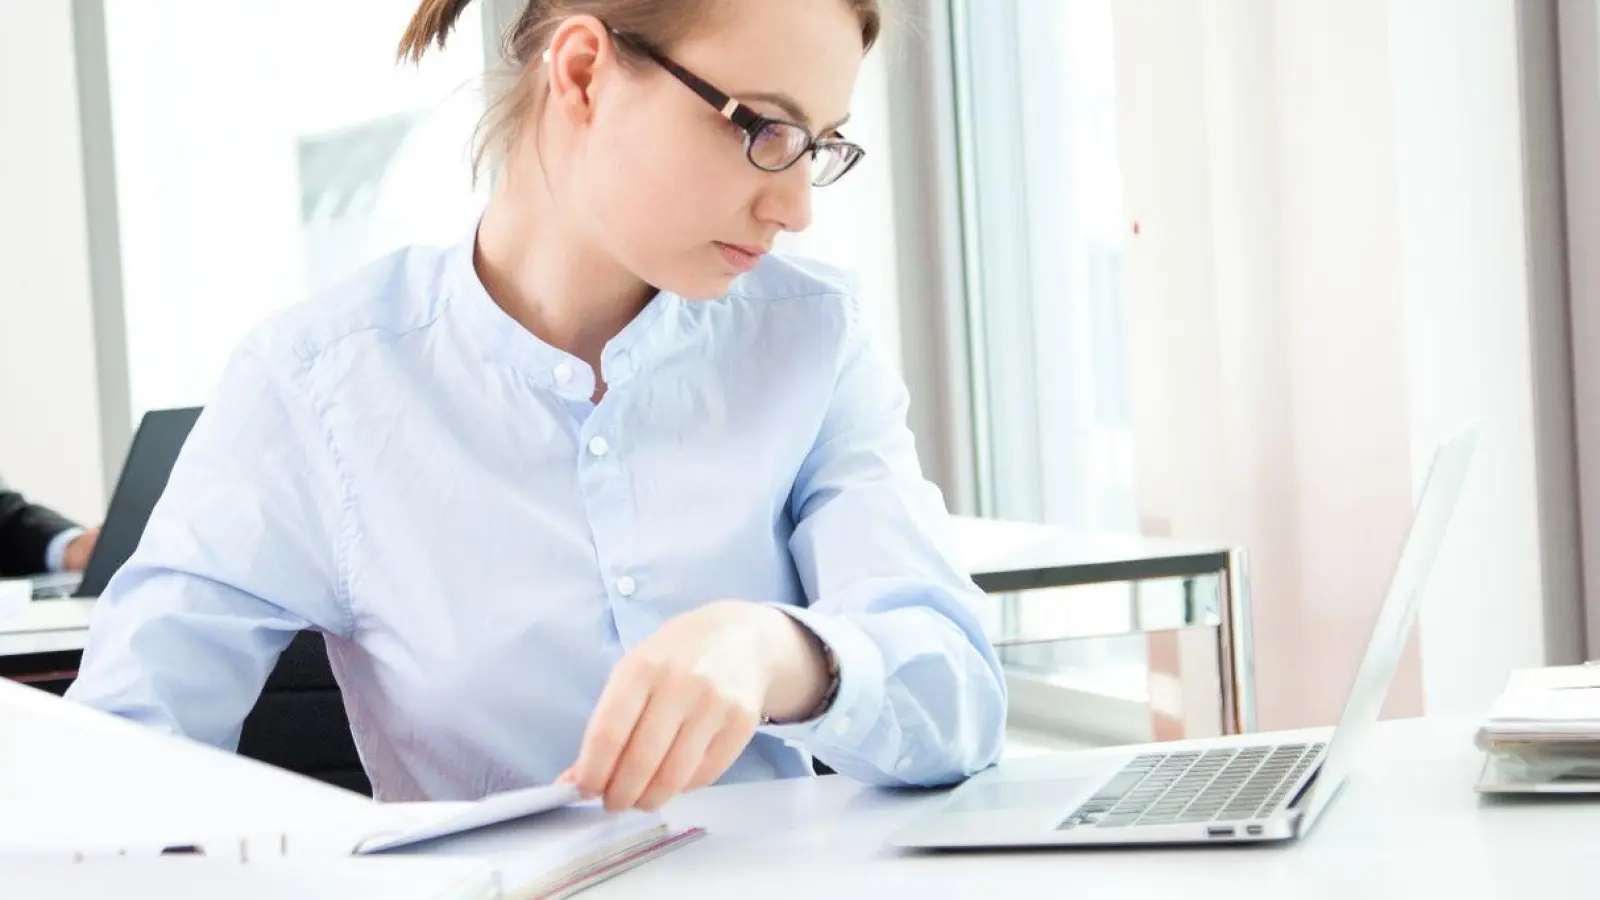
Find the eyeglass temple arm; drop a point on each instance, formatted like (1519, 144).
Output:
(726, 106)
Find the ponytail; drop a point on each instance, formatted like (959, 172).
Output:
(430, 26)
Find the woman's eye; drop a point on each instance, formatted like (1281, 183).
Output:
(771, 136)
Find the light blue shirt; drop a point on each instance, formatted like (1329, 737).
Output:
(403, 467)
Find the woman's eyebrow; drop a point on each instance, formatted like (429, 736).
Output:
(790, 107)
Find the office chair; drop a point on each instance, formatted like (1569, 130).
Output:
(299, 722)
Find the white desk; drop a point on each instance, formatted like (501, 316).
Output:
(1408, 824)
(46, 626)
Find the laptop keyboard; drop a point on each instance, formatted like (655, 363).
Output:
(1197, 786)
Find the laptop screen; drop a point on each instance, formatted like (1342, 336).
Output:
(144, 476)
(1429, 523)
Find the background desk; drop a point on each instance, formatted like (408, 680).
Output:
(1407, 824)
(1009, 557)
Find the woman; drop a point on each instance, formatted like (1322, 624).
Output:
(605, 493)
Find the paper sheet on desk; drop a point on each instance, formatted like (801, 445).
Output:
(425, 821)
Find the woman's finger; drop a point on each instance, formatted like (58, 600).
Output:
(684, 759)
(737, 727)
(672, 703)
(610, 727)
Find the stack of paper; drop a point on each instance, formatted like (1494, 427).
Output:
(1544, 705)
(1543, 733)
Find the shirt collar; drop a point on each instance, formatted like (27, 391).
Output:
(501, 337)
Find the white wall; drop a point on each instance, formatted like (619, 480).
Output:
(49, 412)
(209, 101)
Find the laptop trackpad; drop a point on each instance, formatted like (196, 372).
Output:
(998, 796)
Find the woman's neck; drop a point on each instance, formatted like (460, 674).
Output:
(565, 293)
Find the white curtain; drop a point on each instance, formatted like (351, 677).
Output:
(1329, 275)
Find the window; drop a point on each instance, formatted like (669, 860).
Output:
(1044, 225)
(264, 150)
(853, 220)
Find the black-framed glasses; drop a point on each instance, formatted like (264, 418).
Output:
(772, 145)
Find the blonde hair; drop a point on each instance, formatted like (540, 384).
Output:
(661, 23)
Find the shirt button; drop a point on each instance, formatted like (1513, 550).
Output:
(841, 726)
(598, 446)
(562, 373)
(626, 586)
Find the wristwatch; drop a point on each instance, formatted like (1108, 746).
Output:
(832, 693)
(828, 696)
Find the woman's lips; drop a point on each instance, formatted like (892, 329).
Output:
(742, 257)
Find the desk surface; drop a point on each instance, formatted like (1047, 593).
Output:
(1007, 556)
(1408, 823)
(46, 626)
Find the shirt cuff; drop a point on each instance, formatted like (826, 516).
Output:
(859, 703)
(56, 551)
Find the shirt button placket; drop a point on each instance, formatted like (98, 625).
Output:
(606, 498)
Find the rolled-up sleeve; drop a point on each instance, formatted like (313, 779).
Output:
(921, 697)
(239, 554)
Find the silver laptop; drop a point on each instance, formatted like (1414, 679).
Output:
(1189, 792)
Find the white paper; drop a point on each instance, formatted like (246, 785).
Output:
(1547, 704)
(454, 818)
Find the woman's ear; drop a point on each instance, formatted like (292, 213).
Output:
(580, 50)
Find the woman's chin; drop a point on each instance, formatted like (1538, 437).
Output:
(705, 286)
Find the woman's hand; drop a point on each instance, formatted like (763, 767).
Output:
(681, 706)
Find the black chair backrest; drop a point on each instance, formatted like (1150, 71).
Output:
(299, 722)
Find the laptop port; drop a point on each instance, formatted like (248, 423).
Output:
(1254, 830)
(1220, 831)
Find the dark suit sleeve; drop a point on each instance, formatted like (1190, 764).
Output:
(25, 533)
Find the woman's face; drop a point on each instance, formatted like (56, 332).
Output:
(656, 179)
